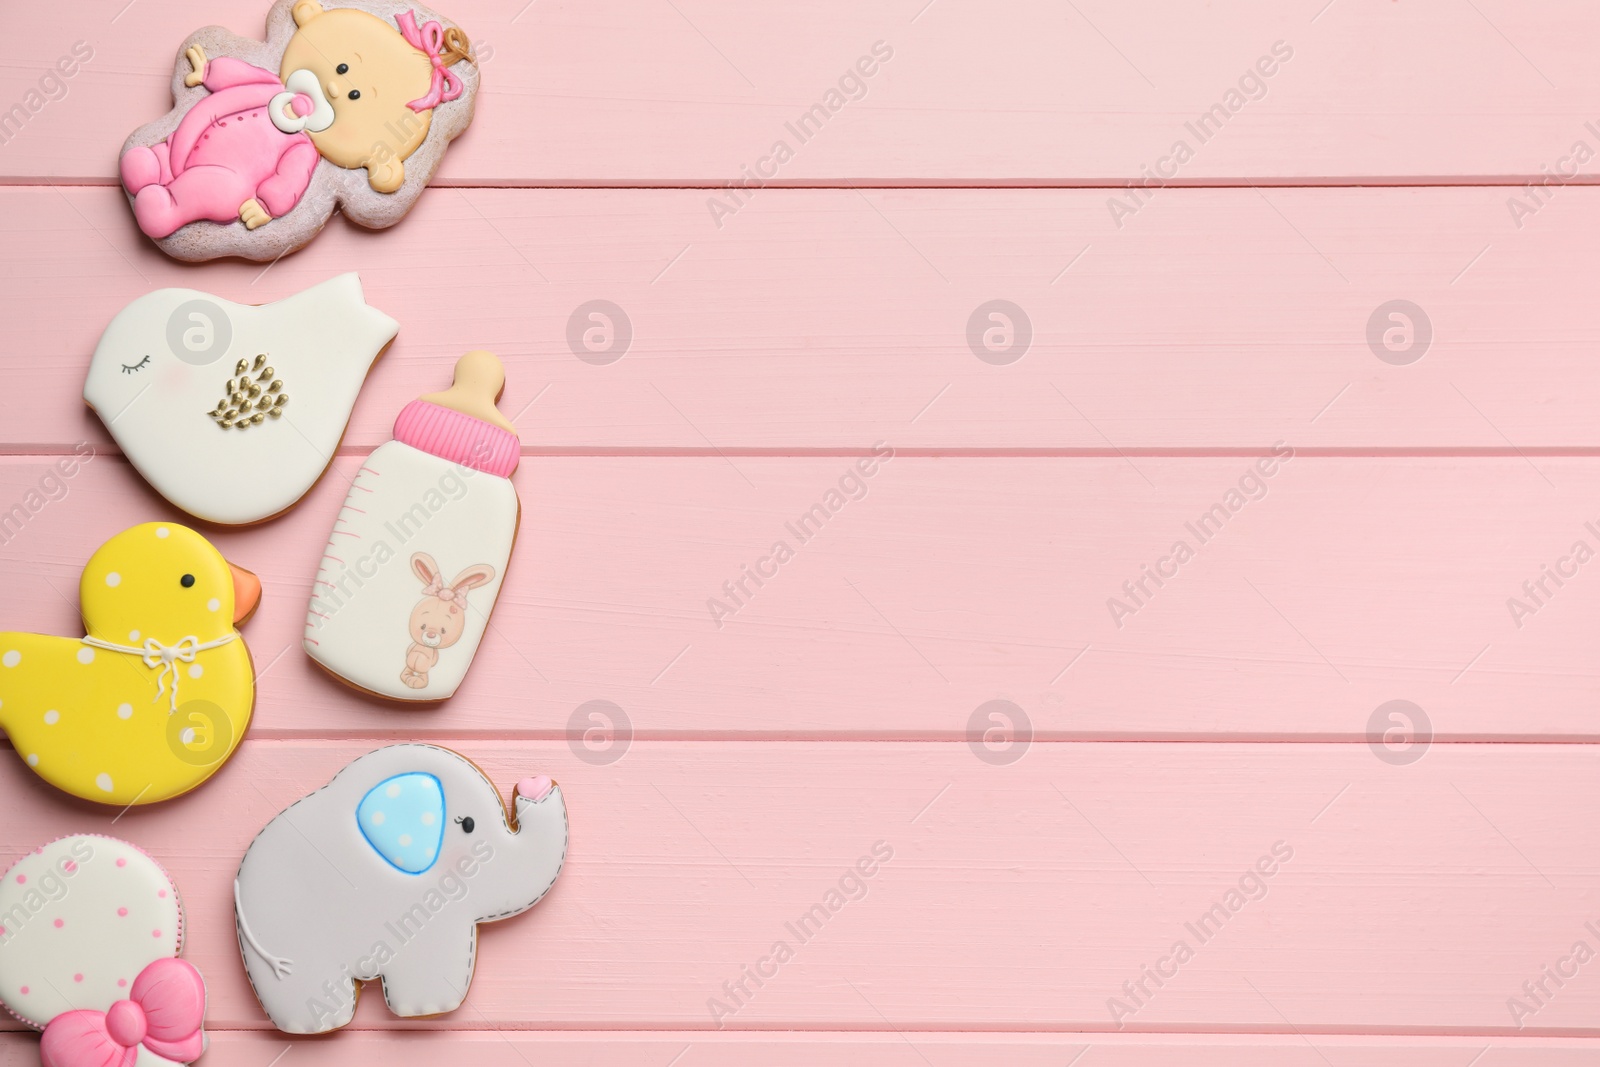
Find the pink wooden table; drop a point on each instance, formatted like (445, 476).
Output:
(1071, 762)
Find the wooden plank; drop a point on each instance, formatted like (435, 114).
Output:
(831, 319)
(802, 1049)
(1344, 584)
(1053, 881)
(697, 92)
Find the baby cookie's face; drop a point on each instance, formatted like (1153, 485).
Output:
(367, 71)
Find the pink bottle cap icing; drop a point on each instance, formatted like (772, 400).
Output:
(462, 424)
(458, 437)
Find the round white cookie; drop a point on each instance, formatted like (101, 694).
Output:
(79, 919)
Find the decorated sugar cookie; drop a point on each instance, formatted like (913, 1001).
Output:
(89, 954)
(347, 105)
(232, 412)
(385, 873)
(158, 694)
(417, 555)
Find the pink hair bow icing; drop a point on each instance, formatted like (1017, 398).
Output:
(443, 592)
(163, 1014)
(429, 39)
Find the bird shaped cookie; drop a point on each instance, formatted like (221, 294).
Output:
(232, 411)
(158, 693)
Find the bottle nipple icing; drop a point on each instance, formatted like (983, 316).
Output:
(479, 380)
(462, 424)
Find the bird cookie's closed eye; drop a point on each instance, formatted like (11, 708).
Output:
(129, 368)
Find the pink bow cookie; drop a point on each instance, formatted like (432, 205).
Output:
(163, 1014)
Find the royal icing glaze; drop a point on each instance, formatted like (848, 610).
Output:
(385, 873)
(158, 693)
(349, 105)
(416, 558)
(232, 411)
(90, 931)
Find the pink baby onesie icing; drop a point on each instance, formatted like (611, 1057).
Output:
(225, 151)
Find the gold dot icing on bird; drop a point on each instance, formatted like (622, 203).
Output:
(158, 693)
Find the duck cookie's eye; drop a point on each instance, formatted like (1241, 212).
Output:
(342, 68)
(129, 368)
(355, 94)
(186, 581)
(466, 823)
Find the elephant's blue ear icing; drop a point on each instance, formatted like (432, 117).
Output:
(402, 818)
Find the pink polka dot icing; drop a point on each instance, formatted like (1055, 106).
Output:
(83, 917)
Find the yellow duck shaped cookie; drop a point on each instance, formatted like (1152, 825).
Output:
(158, 694)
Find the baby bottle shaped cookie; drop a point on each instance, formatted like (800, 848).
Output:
(414, 564)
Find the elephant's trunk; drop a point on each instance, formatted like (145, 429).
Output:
(526, 863)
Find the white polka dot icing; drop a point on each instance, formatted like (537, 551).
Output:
(113, 579)
(85, 654)
(11, 658)
(402, 818)
(59, 919)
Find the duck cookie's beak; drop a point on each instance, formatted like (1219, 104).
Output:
(246, 593)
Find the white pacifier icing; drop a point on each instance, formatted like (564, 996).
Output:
(302, 106)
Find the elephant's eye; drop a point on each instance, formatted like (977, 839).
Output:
(129, 368)
(342, 68)
(466, 823)
(186, 581)
(355, 94)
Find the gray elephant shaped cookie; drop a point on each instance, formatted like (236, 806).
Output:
(385, 873)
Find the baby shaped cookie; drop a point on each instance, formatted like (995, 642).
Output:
(348, 106)
(234, 411)
(90, 931)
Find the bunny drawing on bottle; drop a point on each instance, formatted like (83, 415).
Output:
(439, 619)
